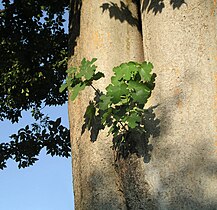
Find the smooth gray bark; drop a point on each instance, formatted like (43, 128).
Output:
(181, 41)
(112, 40)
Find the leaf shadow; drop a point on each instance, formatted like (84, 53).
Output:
(93, 124)
(74, 24)
(157, 6)
(136, 142)
(139, 143)
(122, 13)
(177, 3)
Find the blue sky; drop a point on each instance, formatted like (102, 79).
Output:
(47, 185)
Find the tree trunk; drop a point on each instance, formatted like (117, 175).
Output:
(110, 33)
(180, 38)
(175, 165)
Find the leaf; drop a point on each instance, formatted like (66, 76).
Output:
(87, 69)
(76, 90)
(63, 87)
(83, 62)
(106, 116)
(116, 92)
(93, 60)
(58, 121)
(105, 101)
(133, 120)
(133, 69)
(89, 73)
(125, 71)
(140, 96)
(122, 72)
(135, 85)
(140, 92)
(70, 81)
(114, 80)
(145, 71)
(71, 70)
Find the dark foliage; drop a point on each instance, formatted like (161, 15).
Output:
(28, 142)
(33, 56)
(33, 61)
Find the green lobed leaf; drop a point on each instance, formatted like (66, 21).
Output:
(133, 120)
(71, 70)
(76, 90)
(63, 87)
(106, 116)
(125, 71)
(116, 92)
(87, 69)
(145, 71)
(105, 101)
(140, 96)
(114, 80)
(140, 92)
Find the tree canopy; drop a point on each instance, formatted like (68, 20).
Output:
(33, 61)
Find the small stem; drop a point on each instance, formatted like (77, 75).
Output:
(96, 90)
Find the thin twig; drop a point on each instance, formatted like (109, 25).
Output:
(96, 90)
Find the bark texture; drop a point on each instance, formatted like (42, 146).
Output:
(180, 38)
(175, 166)
(109, 32)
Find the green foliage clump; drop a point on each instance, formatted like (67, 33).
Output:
(78, 80)
(121, 107)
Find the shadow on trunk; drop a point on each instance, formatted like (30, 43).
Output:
(123, 13)
(136, 142)
(157, 6)
(74, 24)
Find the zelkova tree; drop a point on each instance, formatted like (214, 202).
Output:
(172, 163)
